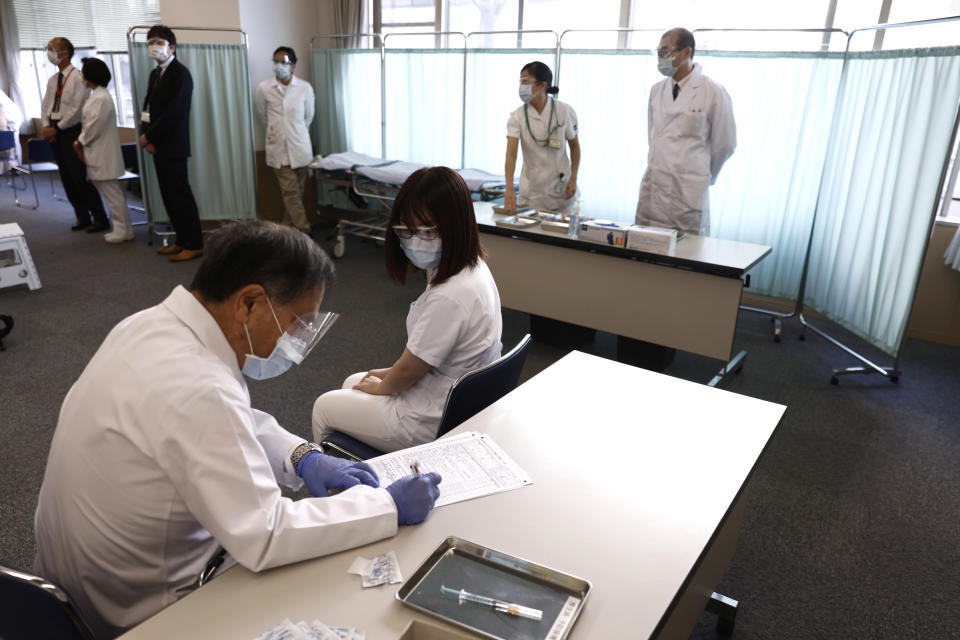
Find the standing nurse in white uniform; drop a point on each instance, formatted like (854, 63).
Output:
(452, 328)
(540, 127)
(691, 134)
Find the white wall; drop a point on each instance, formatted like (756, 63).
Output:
(201, 13)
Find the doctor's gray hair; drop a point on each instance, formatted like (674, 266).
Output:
(684, 39)
(286, 262)
(541, 73)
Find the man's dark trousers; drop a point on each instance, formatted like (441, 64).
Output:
(73, 174)
(179, 202)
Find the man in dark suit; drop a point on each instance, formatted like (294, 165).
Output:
(165, 132)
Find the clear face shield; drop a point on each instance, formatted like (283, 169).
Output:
(304, 333)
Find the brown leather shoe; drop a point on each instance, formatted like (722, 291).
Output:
(169, 251)
(186, 254)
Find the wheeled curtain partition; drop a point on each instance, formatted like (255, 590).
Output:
(806, 122)
(222, 166)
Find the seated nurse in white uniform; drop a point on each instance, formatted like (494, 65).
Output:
(548, 179)
(452, 328)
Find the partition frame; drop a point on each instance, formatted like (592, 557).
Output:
(151, 226)
(893, 372)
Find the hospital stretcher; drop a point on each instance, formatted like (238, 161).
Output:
(357, 182)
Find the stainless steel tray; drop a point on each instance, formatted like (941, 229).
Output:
(460, 564)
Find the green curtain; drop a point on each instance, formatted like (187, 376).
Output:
(222, 173)
(889, 136)
(347, 85)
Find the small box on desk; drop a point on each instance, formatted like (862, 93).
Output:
(604, 232)
(652, 239)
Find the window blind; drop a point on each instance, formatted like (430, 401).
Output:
(99, 24)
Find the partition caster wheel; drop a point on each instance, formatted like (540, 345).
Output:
(801, 337)
(339, 247)
(834, 380)
(894, 379)
(776, 338)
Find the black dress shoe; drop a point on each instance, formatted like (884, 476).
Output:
(80, 226)
(98, 226)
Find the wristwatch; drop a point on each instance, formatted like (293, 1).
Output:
(303, 450)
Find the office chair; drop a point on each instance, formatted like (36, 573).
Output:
(8, 141)
(32, 607)
(473, 392)
(40, 160)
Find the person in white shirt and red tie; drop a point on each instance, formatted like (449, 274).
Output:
(61, 112)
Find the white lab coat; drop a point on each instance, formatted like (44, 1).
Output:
(286, 112)
(455, 327)
(546, 170)
(158, 457)
(690, 139)
(72, 97)
(99, 137)
(10, 119)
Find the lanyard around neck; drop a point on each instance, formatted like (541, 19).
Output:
(546, 141)
(64, 83)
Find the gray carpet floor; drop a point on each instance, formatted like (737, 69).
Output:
(852, 529)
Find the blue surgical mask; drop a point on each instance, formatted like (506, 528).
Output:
(285, 353)
(665, 66)
(526, 93)
(423, 253)
(281, 70)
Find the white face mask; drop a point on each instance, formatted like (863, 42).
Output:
(281, 70)
(665, 66)
(53, 56)
(160, 52)
(423, 253)
(526, 93)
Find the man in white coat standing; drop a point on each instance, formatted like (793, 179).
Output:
(691, 134)
(284, 104)
(159, 466)
(99, 147)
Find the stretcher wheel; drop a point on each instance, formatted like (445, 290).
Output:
(894, 379)
(340, 247)
(834, 380)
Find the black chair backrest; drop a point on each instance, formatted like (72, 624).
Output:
(478, 389)
(8, 140)
(31, 607)
(40, 150)
(130, 160)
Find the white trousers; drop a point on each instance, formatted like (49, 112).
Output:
(113, 194)
(357, 414)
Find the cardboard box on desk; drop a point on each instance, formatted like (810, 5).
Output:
(604, 232)
(652, 239)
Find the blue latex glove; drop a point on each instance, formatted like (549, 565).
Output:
(415, 496)
(321, 473)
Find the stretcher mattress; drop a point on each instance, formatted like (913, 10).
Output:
(396, 172)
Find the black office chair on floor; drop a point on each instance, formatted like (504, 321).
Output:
(32, 607)
(473, 392)
(8, 142)
(40, 160)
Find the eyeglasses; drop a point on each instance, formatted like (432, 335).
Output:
(663, 51)
(427, 233)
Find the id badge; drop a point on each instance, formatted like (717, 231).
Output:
(145, 117)
(55, 115)
(556, 142)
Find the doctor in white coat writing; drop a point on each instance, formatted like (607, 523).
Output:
(691, 134)
(158, 461)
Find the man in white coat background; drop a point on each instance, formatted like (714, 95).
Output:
(691, 134)
(159, 465)
(284, 104)
(99, 147)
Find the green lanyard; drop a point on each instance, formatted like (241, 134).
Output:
(546, 141)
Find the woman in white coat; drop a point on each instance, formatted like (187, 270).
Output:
(99, 147)
(452, 328)
(548, 179)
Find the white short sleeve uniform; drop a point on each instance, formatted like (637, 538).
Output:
(455, 327)
(158, 458)
(546, 169)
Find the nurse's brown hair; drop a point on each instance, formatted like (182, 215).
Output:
(439, 196)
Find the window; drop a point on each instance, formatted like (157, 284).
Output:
(103, 35)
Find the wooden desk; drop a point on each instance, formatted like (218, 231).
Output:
(688, 300)
(639, 481)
